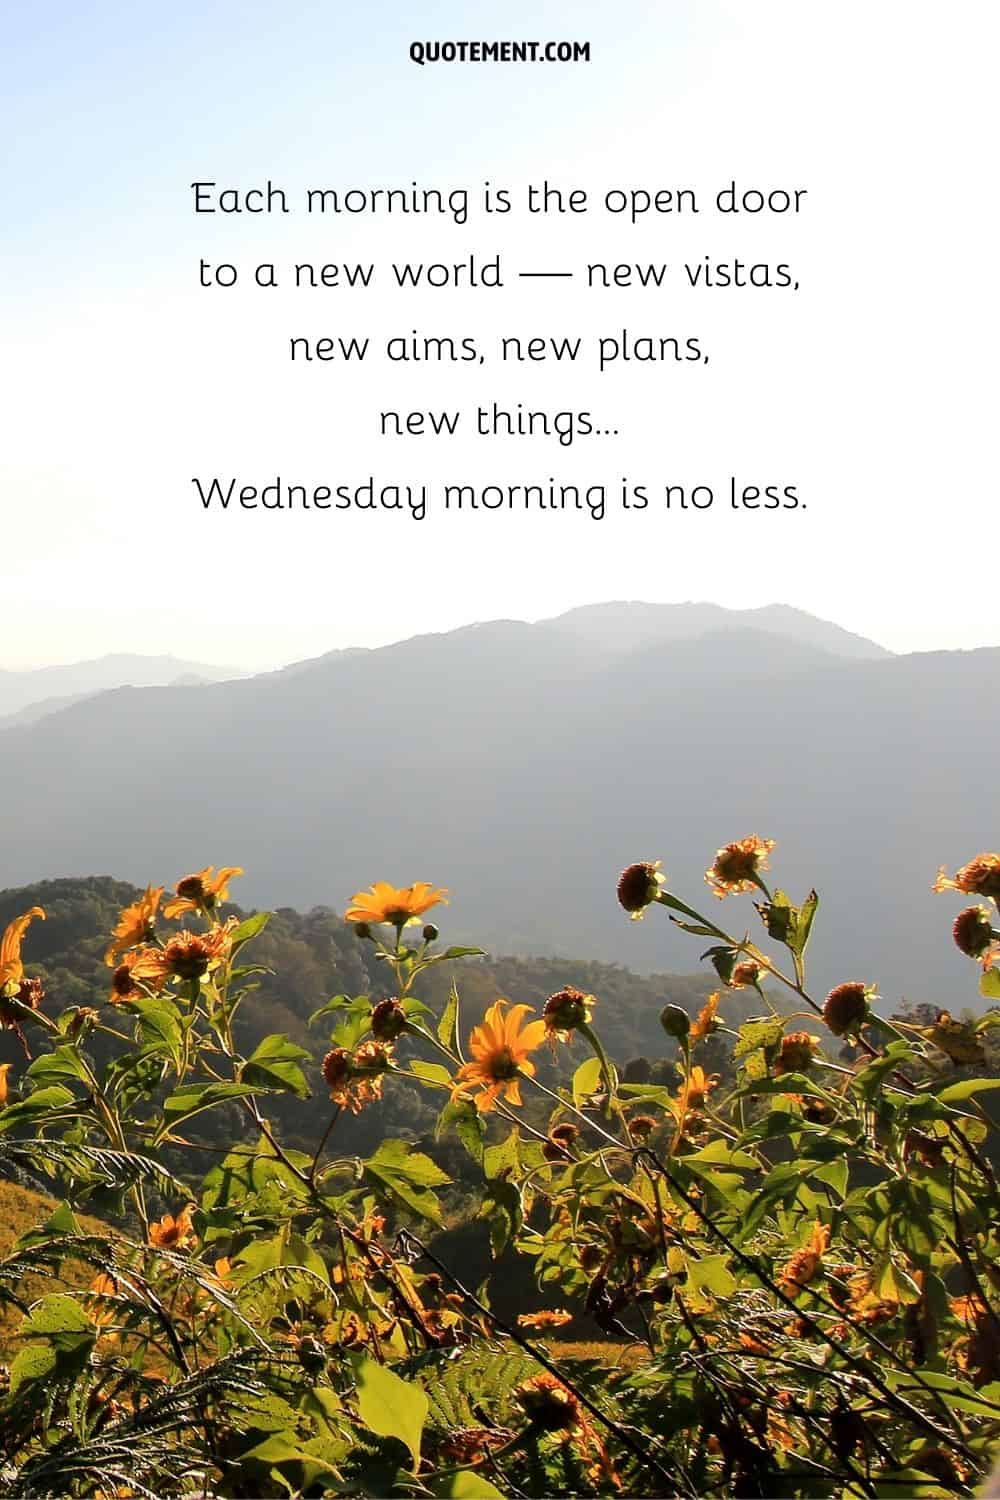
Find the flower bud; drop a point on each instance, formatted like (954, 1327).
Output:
(431, 933)
(675, 1022)
(362, 930)
(388, 1020)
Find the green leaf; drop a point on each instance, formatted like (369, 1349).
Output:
(429, 1072)
(249, 928)
(956, 1092)
(275, 1066)
(465, 1484)
(447, 1030)
(762, 1032)
(36, 1362)
(461, 953)
(389, 1406)
(38, 1103)
(160, 1027)
(62, 1063)
(470, 1127)
(989, 984)
(587, 1079)
(55, 1315)
(505, 1157)
(711, 1274)
(192, 1098)
(409, 1175)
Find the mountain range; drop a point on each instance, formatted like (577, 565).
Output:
(33, 694)
(522, 765)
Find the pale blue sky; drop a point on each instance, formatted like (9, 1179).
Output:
(873, 390)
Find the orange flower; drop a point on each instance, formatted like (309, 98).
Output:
(141, 964)
(135, 924)
(102, 1289)
(694, 1091)
(189, 955)
(546, 1318)
(705, 1022)
(805, 1263)
(500, 1048)
(980, 877)
(4, 1084)
(11, 967)
(737, 867)
(173, 1233)
(398, 905)
(202, 892)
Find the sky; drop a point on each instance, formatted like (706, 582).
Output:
(871, 389)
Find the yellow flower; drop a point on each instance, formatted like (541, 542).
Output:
(172, 1233)
(4, 1084)
(202, 892)
(398, 905)
(737, 867)
(135, 924)
(11, 967)
(500, 1048)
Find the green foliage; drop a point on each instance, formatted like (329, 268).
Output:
(787, 1239)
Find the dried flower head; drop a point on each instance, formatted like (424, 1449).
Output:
(806, 1262)
(845, 1009)
(797, 1051)
(974, 935)
(565, 1011)
(388, 1020)
(980, 877)
(641, 1127)
(355, 1078)
(638, 886)
(745, 975)
(548, 1404)
(190, 955)
(737, 866)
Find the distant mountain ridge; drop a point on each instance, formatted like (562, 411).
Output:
(58, 686)
(523, 765)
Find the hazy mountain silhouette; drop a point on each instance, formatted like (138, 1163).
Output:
(524, 765)
(43, 690)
